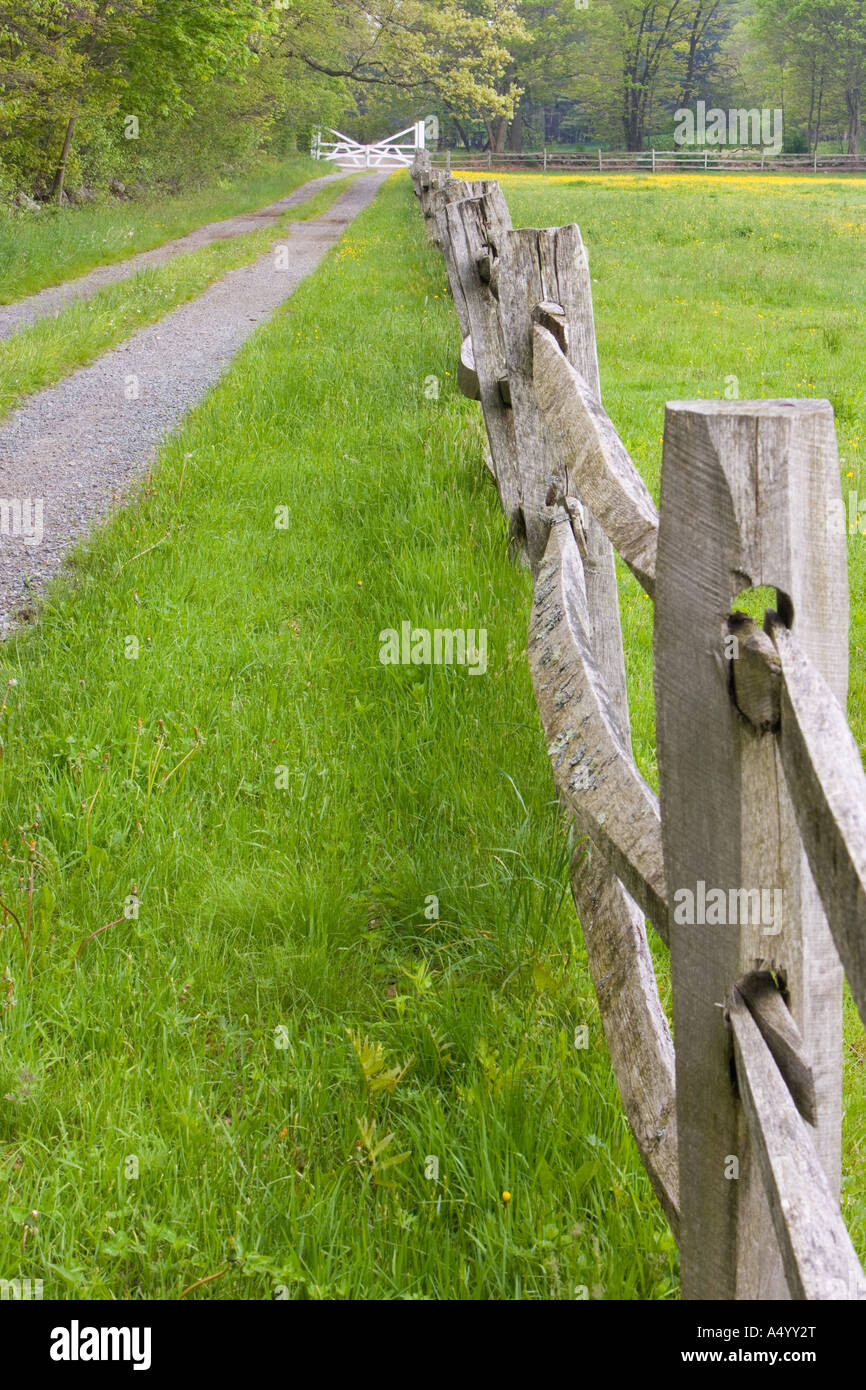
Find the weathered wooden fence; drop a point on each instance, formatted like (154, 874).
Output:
(751, 866)
(717, 160)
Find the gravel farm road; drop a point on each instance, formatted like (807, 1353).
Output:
(23, 312)
(74, 448)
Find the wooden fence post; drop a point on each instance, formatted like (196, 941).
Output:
(544, 277)
(431, 201)
(750, 495)
(474, 228)
(496, 215)
(746, 720)
(419, 171)
(544, 282)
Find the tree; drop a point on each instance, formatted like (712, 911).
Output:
(545, 56)
(820, 48)
(448, 50)
(646, 54)
(68, 60)
(703, 38)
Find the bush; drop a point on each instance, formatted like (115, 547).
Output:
(795, 142)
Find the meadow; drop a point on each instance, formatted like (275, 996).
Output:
(293, 983)
(745, 286)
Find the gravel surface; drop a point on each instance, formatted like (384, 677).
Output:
(56, 297)
(76, 446)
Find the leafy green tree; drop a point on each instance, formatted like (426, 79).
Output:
(545, 56)
(645, 54)
(71, 61)
(820, 47)
(448, 50)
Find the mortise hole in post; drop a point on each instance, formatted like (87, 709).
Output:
(758, 600)
(754, 602)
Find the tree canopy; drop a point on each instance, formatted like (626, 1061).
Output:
(177, 89)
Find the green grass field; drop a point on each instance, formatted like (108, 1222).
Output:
(56, 244)
(337, 1022)
(731, 285)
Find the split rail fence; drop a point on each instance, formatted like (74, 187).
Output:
(652, 161)
(762, 791)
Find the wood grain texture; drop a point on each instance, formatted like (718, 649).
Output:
(550, 267)
(541, 268)
(592, 764)
(419, 172)
(782, 1036)
(452, 191)
(544, 282)
(635, 1027)
(497, 217)
(817, 1254)
(455, 284)
(473, 227)
(827, 784)
(592, 457)
(467, 374)
(756, 673)
(432, 192)
(749, 496)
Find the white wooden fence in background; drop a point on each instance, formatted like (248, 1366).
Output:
(394, 152)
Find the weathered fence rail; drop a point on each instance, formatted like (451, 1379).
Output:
(718, 160)
(751, 864)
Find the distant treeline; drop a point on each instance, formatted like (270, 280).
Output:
(95, 93)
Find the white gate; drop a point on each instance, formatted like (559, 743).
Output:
(395, 152)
